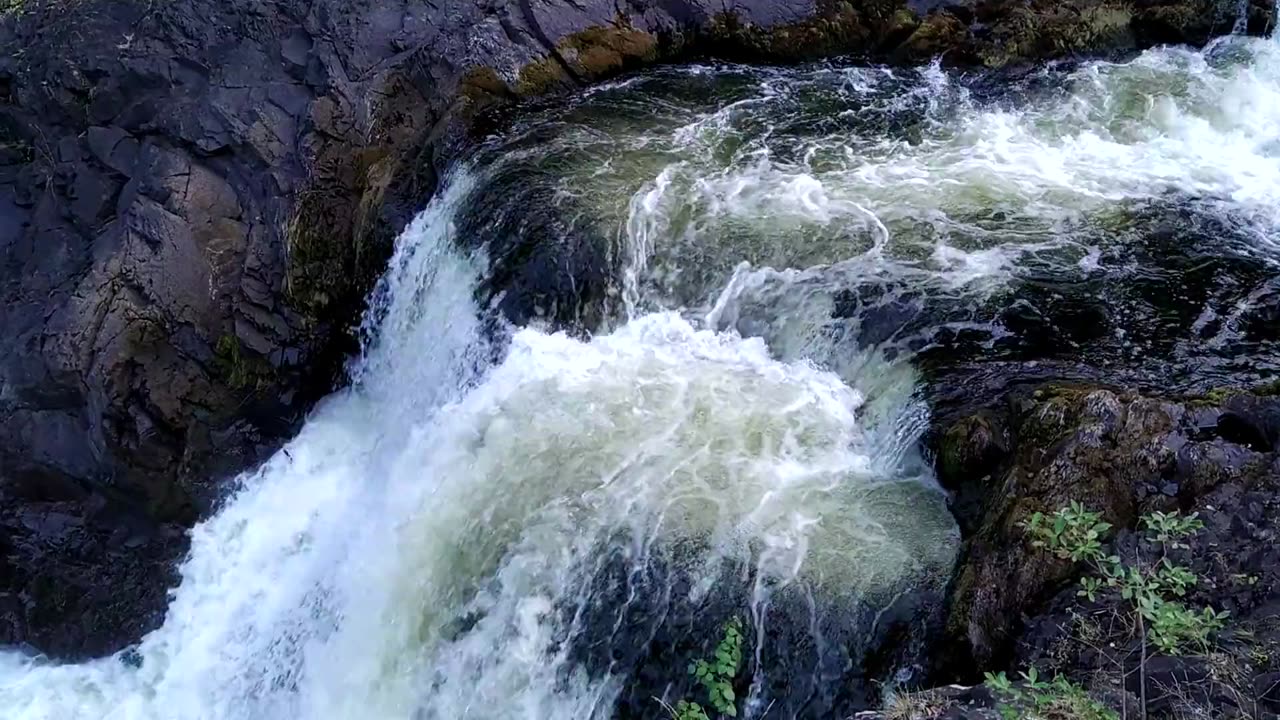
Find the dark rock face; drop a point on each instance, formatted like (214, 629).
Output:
(196, 195)
(1088, 445)
(74, 563)
(1043, 446)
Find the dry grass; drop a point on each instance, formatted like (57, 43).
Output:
(922, 705)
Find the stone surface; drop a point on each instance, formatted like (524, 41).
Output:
(1013, 606)
(195, 197)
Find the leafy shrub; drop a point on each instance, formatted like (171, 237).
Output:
(1032, 698)
(716, 675)
(1076, 533)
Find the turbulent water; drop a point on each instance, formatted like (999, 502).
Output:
(508, 522)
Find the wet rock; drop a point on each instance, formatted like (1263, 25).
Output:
(1124, 454)
(970, 451)
(1083, 444)
(825, 655)
(1251, 421)
(1120, 453)
(545, 263)
(1165, 675)
(71, 563)
(1266, 689)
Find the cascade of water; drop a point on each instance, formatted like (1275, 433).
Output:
(450, 538)
(277, 572)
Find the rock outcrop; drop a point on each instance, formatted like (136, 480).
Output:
(195, 197)
(1042, 446)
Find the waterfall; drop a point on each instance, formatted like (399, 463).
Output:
(497, 522)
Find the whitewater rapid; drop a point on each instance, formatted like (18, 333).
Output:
(439, 539)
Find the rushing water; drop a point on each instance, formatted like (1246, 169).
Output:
(506, 522)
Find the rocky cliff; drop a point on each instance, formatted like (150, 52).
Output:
(196, 195)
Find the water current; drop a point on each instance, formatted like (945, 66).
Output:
(711, 409)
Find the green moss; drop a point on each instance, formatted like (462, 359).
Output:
(231, 362)
(481, 86)
(591, 54)
(320, 254)
(541, 76)
(1270, 389)
(1057, 412)
(1050, 30)
(600, 51)
(1213, 397)
(962, 596)
(241, 371)
(936, 34)
(899, 26)
(1105, 25)
(837, 29)
(965, 448)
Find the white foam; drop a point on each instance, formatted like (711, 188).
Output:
(329, 585)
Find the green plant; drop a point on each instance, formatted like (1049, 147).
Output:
(1076, 533)
(1071, 533)
(999, 683)
(686, 710)
(1172, 528)
(1032, 698)
(716, 675)
(1174, 627)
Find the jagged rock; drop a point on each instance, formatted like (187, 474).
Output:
(1124, 454)
(195, 197)
(1091, 445)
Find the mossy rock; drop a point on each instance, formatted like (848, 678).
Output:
(602, 51)
(1067, 443)
(319, 257)
(970, 446)
(242, 370)
(1268, 389)
(591, 54)
(542, 76)
(481, 87)
(1217, 396)
(838, 29)
(938, 33)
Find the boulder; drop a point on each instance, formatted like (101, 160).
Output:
(1124, 454)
